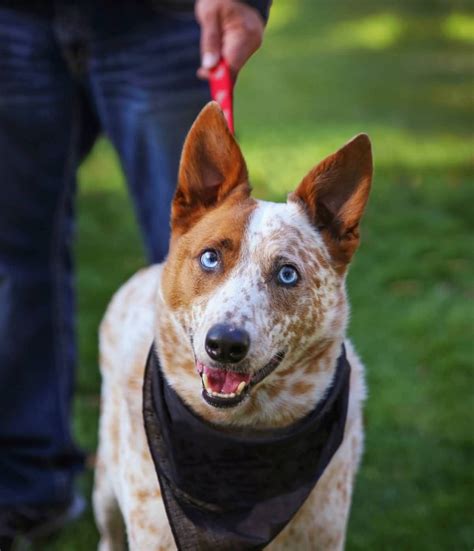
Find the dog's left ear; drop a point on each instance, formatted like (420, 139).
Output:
(212, 168)
(334, 195)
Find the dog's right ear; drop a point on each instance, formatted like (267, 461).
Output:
(212, 167)
(334, 195)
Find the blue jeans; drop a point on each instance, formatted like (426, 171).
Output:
(128, 72)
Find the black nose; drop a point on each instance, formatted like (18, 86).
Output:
(227, 344)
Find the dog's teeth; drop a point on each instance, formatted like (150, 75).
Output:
(217, 394)
(208, 388)
(222, 394)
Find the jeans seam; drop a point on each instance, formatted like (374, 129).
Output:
(57, 274)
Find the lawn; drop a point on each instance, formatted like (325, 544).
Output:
(401, 71)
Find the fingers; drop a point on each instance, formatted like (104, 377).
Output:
(241, 41)
(229, 29)
(208, 17)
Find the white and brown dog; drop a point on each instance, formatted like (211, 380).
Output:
(250, 311)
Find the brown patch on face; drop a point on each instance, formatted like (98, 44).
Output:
(274, 389)
(314, 358)
(169, 357)
(315, 354)
(168, 337)
(322, 260)
(222, 229)
(301, 387)
(334, 194)
(288, 371)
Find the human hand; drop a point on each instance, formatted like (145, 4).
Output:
(230, 29)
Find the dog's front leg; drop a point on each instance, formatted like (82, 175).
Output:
(106, 508)
(107, 512)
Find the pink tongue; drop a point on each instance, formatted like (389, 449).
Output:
(223, 381)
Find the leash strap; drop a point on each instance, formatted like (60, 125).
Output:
(222, 90)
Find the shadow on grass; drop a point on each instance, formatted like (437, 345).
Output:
(319, 66)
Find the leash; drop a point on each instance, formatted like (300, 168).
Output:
(222, 90)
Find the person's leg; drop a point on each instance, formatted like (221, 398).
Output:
(143, 80)
(39, 149)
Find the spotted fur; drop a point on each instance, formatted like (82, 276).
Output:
(176, 303)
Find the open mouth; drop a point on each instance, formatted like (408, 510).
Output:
(225, 388)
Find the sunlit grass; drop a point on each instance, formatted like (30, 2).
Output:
(459, 26)
(287, 12)
(373, 32)
(280, 166)
(274, 156)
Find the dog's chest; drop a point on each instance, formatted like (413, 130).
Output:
(127, 452)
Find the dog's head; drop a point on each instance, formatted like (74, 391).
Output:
(254, 292)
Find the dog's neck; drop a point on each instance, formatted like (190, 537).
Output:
(290, 393)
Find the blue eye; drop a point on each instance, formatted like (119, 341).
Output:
(288, 275)
(210, 260)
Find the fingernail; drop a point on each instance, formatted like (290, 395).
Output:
(209, 60)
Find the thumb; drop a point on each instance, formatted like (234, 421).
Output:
(210, 38)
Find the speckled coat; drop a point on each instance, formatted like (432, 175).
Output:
(315, 232)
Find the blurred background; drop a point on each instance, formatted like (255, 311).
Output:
(402, 71)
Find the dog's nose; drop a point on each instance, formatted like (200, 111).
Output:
(226, 343)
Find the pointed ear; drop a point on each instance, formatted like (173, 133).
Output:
(212, 167)
(334, 195)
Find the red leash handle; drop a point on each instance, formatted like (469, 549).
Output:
(222, 90)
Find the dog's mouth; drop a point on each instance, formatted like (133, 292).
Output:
(225, 388)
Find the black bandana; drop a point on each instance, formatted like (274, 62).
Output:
(236, 491)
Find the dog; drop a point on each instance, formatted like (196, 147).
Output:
(248, 311)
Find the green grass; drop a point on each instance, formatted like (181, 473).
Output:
(401, 71)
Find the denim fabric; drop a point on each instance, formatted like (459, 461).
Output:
(131, 74)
